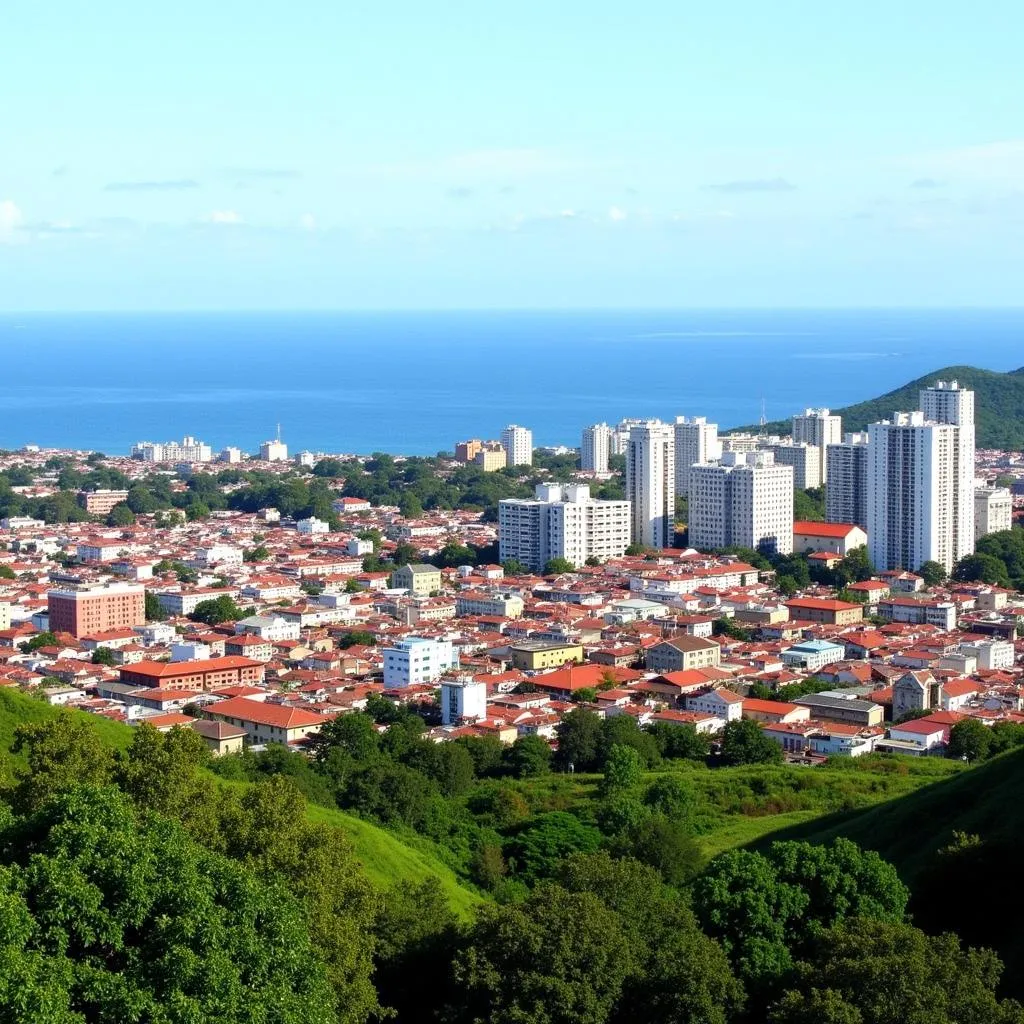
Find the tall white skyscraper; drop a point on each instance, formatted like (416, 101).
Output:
(518, 444)
(846, 489)
(651, 483)
(745, 501)
(947, 402)
(562, 521)
(696, 442)
(804, 458)
(820, 428)
(596, 447)
(620, 435)
(912, 472)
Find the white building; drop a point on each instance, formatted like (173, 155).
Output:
(274, 451)
(993, 510)
(947, 402)
(745, 501)
(846, 481)
(417, 661)
(596, 447)
(518, 444)
(217, 554)
(813, 655)
(185, 651)
(912, 494)
(620, 435)
(307, 459)
(991, 654)
(820, 428)
(269, 627)
(696, 444)
(187, 450)
(805, 460)
(651, 483)
(312, 526)
(562, 521)
(462, 699)
(231, 455)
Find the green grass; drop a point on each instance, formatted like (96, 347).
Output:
(385, 858)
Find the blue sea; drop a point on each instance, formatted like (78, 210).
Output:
(419, 382)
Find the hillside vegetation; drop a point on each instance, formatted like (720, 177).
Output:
(999, 405)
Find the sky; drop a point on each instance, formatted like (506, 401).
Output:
(322, 154)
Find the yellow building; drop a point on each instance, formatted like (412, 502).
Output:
(419, 579)
(491, 457)
(532, 655)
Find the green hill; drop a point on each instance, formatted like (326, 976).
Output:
(385, 858)
(966, 886)
(999, 405)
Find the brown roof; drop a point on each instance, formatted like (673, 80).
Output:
(169, 669)
(273, 715)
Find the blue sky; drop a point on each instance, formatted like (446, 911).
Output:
(331, 154)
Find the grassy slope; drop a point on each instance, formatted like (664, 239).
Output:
(385, 857)
(999, 405)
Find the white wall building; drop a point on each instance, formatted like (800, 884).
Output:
(805, 460)
(596, 447)
(993, 510)
(518, 444)
(462, 699)
(820, 428)
(274, 451)
(269, 627)
(912, 494)
(651, 483)
(846, 481)
(312, 526)
(187, 450)
(562, 521)
(217, 554)
(230, 454)
(747, 501)
(417, 661)
(620, 435)
(696, 443)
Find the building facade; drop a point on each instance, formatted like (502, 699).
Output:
(187, 450)
(85, 610)
(846, 481)
(820, 428)
(417, 661)
(993, 510)
(100, 503)
(696, 444)
(518, 444)
(651, 483)
(804, 458)
(274, 451)
(595, 448)
(462, 699)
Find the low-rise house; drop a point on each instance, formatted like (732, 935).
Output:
(220, 737)
(836, 706)
(264, 722)
(681, 654)
(417, 578)
(720, 703)
(813, 655)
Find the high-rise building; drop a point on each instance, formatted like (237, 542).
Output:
(274, 451)
(993, 510)
(947, 402)
(651, 483)
(746, 501)
(820, 428)
(94, 608)
(491, 456)
(186, 450)
(846, 487)
(562, 521)
(805, 460)
(100, 503)
(620, 435)
(696, 444)
(466, 451)
(231, 454)
(596, 447)
(518, 444)
(912, 492)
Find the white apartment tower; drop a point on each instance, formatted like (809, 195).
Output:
(651, 483)
(562, 521)
(186, 450)
(993, 510)
(820, 428)
(912, 471)
(846, 486)
(620, 435)
(947, 402)
(746, 501)
(696, 444)
(518, 444)
(596, 447)
(805, 459)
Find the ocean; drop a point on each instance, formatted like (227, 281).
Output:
(418, 382)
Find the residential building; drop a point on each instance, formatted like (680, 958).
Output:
(466, 451)
(312, 526)
(813, 655)
(534, 655)
(912, 479)
(187, 450)
(476, 602)
(562, 521)
(923, 733)
(518, 444)
(820, 428)
(417, 578)
(230, 455)
(651, 483)
(839, 706)
(272, 628)
(806, 460)
(839, 538)
(993, 510)
(101, 502)
(274, 451)
(914, 610)
(491, 456)
(220, 737)
(185, 602)
(696, 444)
(620, 435)
(721, 703)
(264, 722)
(416, 661)
(825, 610)
(462, 699)
(746, 500)
(682, 653)
(991, 654)
(94, 608)
(596, 447)
(846, 481)
(198, 676)
(217, 555)
(5, 615)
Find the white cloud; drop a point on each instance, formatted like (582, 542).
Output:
(223, 217)
(10, 219)
(616, 214)
(307, 222)
(1000, 162)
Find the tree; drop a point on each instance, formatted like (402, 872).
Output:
(585, 695)
(404, 553)
(809, 504)
(6, 572)
(103, 656)
(558, 566)
(260, 553)
(557, 958)
(980, 567)
(216, 610)
(513, 567)
(121, 515)
(196, 510)
(579, 739)
(933, 573)
(969, 740)
(623, 769)
(528, 756)
(153, 610)
(679, 741)
(539, 846)
(743, 742)
(674, 796)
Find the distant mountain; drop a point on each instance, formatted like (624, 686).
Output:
(999, 405)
